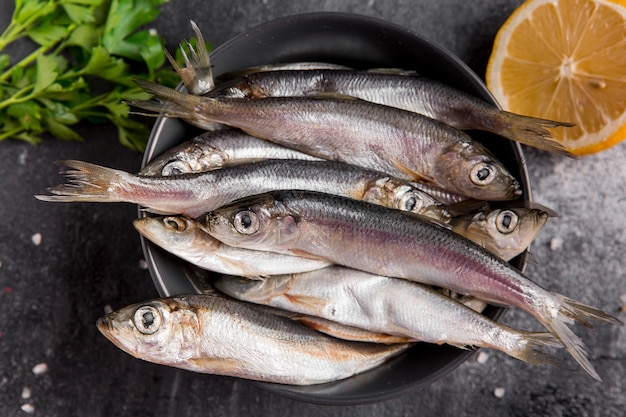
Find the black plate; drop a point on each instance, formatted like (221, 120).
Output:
(359, 42)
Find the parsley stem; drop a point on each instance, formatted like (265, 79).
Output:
(11, 133)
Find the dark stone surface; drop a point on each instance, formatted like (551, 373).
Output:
(89, 258)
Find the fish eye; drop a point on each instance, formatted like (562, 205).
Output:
(246, 222)
(506, 221)
(175, 168)
(175, 224)
(411, 202)
(483, 173)
(147, 319)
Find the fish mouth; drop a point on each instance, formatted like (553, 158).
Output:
(105, 327)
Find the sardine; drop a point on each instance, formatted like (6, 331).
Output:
(401, 143)
(210, 334)
(391, 243)
(194, 194)
(392, 87)
(414, 93)
(219, 149)
(388, 305)
(184, 238)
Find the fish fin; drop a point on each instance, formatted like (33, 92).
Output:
(169, 102)
(393, 71)
(197, 75)
(287, 66)
(254, 277)
(86, 182)
(412, 175)
(331, 95)
(467, 206)
(309, 302)
(219, 366)
(583, 313)
(532, 131)
(529, 351)
(345, 332)
(573, 311)
(304, 254)
(179, 103)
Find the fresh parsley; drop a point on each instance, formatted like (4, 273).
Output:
(86, 55)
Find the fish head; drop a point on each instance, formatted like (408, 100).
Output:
(397, 194)
(171, 232)
(189, 157)
(468, 169)
(506, 232)
(256, 223)
(161, 331)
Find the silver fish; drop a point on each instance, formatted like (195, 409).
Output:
(401, 143)
(387, 305)
(194, 194)
(210, 334)
(218, 149)
(388, 86)
(393, 88)
(395, 244)
(184, 238)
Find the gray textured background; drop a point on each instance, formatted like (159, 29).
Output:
(51, 294)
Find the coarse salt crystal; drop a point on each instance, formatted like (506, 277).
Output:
(28, 408)
(556, 243)
(482, 357)
(26, 393)
(36, 238)
(499, 392)
(40, 368)
(143, 264)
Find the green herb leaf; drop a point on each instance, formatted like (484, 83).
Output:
(103, 65)
(27, 114)
(60, 130)
(46, 73)
(48, 33)
(79, 13)
(85, 36)
(84, 45)
(124, 18)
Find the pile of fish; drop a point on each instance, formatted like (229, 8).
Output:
(345, 215)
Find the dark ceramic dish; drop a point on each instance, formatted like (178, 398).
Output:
(359, 42)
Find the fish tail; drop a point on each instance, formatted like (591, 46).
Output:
(197, 75)
(529, 348)
(87, 183)
(573, 311)
(171, 102)
(532, 131)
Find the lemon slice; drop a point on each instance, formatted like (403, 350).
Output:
(565, 60)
